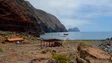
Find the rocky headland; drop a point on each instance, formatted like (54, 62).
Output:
(21, 16)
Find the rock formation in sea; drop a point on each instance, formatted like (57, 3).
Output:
(21, 16)
(75, 29)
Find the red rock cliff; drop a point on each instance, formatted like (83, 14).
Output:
(21, 16)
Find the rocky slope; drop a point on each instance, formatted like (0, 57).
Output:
(50, 23)
(21, 16)
(75, 29)
(89, 54)
(105, 45)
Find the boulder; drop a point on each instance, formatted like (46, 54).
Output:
(93, 54)
(80, 60)
(105, 45)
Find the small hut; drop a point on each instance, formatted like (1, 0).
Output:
(51, 42)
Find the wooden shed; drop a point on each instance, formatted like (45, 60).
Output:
(51, 42)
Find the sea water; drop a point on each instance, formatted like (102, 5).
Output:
(77, 35)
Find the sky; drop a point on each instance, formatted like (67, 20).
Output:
(87, 15)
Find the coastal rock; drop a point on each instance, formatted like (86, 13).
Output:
(21, 16)
(93, 54)
(105, 45)
(52, 61)
(49, 22)
(75, 29)
(80, 60)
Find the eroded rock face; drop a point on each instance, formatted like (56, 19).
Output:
(93, 54)
(49, 22)
(21, 16)
(14, 18)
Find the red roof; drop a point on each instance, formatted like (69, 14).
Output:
(15, 39)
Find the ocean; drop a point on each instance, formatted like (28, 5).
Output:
(77, 35)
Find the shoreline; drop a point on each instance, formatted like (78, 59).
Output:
(28, 52)
(25, 53)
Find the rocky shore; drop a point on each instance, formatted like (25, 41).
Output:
(105, 45)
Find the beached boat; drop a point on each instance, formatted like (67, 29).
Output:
(65, 34)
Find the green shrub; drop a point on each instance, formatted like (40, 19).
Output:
(1, 50)
(61, 58)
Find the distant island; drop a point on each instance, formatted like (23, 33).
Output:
(75, 29)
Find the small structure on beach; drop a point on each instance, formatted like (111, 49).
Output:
(15, 40)
(51, 42)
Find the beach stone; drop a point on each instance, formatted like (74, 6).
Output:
(93, 54)
(52, 61)
(80, 60)
(73, 61)
(35, 61)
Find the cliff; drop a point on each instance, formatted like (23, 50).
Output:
(21, 16)
(75, 29)
(50, 23)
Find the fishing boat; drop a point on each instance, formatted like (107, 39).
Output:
(65, 34)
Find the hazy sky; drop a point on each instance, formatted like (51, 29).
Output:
(87, 15)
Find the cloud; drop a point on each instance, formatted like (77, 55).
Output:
(75, 12)
(76, 22)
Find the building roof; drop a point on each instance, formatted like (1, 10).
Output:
(15, 39)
